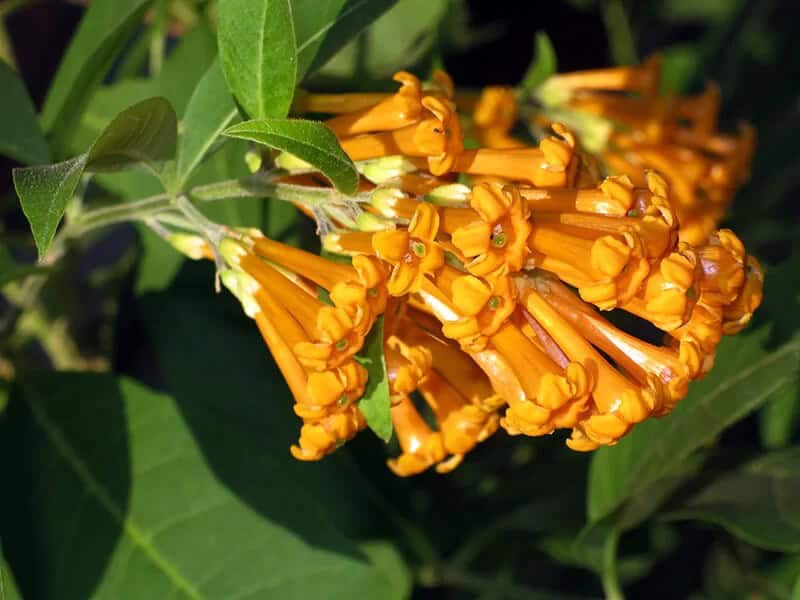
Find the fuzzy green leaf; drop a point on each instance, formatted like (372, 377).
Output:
(310, 141)
(20, 136)
(144, 133)
(258, 54)
(375, 405)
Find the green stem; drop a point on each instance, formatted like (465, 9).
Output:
(611, 586)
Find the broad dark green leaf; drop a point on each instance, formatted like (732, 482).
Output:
(744, 376)
(544, 64)
(166, 498)
(399, 39)
(375, 404)
(322, 27)
(11, 270)
(258, 54)
(310, 141)
(759, 502)
(210, 110)
(20, 136)
(146, 133)
(103, 32)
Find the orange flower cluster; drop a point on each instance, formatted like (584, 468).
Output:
(493, 290)
(635, 129)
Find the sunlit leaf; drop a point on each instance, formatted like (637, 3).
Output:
(211, 109)
(310, 141)
(258, 54)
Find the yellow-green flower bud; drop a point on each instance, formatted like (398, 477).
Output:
(369, 222)
(291, 163)
(454, 194)
(383, 169)
(241, 285)
(385, 199)
(189, 244)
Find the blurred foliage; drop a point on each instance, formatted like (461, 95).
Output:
(168, 475)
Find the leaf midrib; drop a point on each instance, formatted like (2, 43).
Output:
(95, 489)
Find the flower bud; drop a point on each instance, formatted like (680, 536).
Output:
(385, 168)
(454, 194)
(241, 285)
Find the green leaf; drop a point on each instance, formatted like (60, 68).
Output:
(11, 270)
(796, 591)
(8, 588)
(744, 377)
(182, 70)
(375, 404)
(322, 27)
(679, 66)
(399, 39)
(44, 192)
(258, 54)
(778, 419)
(210, 110)
(168, 497)
(20, 136)
(310, 141)
(760, 502)
(544, 64)
(103, 32)
(145, 132)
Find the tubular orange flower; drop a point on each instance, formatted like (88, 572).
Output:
(495, 241)
(675, 135)
(643, 79)
(484, 306)
(359, 289)
(437, 138)
(399, 110)
(465, 410)
(553, 164)
(494, 115)
(414, 253)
